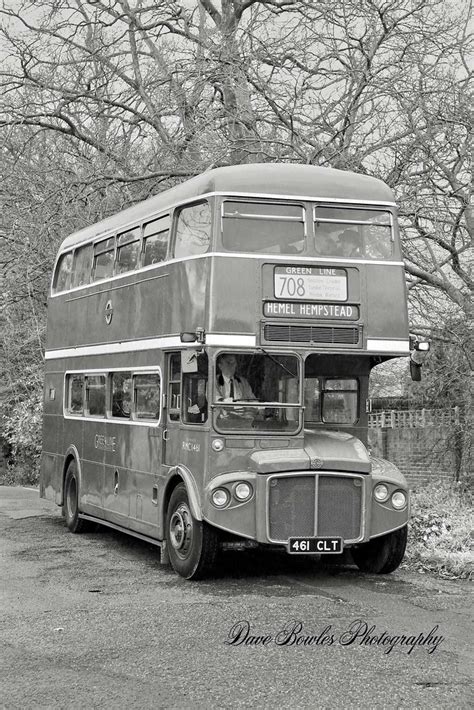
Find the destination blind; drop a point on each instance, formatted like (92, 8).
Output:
(310, 283)
(322, 311)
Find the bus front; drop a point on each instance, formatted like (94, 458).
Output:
(310, 295)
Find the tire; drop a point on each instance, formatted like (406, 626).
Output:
(383, 554)
(192, 545)
(71, 502)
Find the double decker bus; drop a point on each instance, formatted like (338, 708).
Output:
(207, 368)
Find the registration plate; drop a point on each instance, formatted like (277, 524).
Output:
(315, 545)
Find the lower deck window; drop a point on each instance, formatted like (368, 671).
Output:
(95, 395)
(121, 394)
(75, 394)
(116, 395)
(147, 396)
(331, 400)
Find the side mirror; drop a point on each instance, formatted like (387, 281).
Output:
(415, 371)
(417, 357)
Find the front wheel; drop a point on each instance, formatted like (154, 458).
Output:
(71, 502)
(192, 544)
(381, 555)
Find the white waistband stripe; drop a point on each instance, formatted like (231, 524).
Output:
(171, 341)
(399, 346)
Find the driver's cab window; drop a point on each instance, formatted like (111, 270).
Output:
(331, 400)
(195, 391)
(256, 391)
(174, 387)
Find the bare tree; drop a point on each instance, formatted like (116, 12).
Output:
(107, 101)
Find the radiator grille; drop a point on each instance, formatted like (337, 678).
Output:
(311, 334)
(292, 505)
(339, 507)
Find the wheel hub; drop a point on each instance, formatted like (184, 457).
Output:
(181, 530)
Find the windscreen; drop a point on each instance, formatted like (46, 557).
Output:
(256, 392)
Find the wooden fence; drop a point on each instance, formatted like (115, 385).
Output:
(413, 418)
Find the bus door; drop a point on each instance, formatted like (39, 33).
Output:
(185, 433)
(133, 457)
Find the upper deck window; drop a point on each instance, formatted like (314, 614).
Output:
(155, 240)
(193, 230)
(128, 250)
(264, 227)
(82, 265)
(104, 254)
(353, 232)
(63, 272)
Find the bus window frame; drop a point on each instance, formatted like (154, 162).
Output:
(177, 417)
(214, 404)
(96, 253)
(59, 261)
(68, 413)
(145, 223)
(307, 236)
(359, 206)
(322, 382)
(175, 212)
(107, 373)
(131, 240)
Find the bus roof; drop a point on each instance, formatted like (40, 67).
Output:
(269, 179)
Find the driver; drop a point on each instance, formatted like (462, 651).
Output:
(231, 386)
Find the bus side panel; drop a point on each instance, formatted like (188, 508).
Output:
(91, 438)
(189, 282)
(386, 299)
(238, 285)
(51, 455)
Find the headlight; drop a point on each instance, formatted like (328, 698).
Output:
(220, 497)
(243, 491)
(381, 492)
(399, 500)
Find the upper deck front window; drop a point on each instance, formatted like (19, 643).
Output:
(257, 392)
(353, 232)
(193, 230)
(264, 227)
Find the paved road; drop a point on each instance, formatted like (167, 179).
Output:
(95, 621)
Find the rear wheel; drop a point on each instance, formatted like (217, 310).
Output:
(192, 544)
(381, 555)
(71, 502)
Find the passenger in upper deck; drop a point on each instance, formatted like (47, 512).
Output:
(230, 385)
(349, 243)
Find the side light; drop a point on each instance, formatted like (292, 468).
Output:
(220, 497)
(217, 444)
(381, 493)
(399, 500)
(243, 491)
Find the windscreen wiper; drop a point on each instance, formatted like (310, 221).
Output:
(283, 367)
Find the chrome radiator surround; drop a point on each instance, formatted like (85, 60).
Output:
(315, 500)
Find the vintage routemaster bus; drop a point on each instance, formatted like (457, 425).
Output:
(207, 367)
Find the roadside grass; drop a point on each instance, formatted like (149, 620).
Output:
(441, 534)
